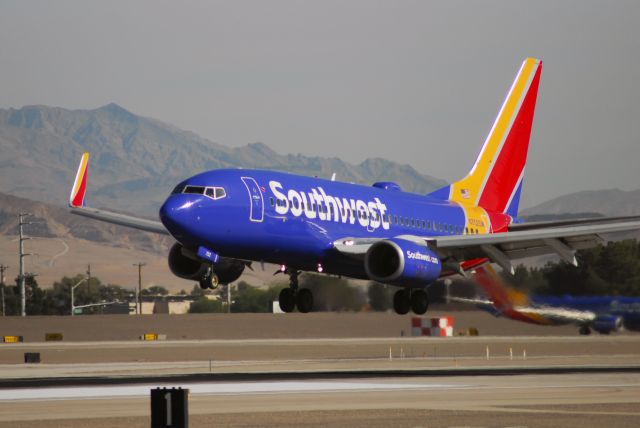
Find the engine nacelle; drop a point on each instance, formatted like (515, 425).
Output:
(605, 324)
(228, 270)
(186, 267)
(401, 262)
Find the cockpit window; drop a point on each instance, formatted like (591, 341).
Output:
(178, 189)
(219, 193)
(210, 192)
(194, 190)
(215, 193)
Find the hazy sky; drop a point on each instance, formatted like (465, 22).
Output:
(416, 82)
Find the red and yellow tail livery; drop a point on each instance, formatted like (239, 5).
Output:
(79, 189)
(495, 181)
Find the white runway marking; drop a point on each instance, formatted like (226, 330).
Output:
(207, 389)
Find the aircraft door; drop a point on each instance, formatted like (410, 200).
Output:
(256, 200)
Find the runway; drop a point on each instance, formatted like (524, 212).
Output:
(531, 400)
(531, 381)
(217, 388)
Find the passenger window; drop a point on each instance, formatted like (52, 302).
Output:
(395, 219)
(271, 200)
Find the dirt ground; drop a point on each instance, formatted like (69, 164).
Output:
(259, 326)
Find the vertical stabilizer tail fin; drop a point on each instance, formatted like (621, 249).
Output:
(79, 189)
(495, 181)
(502, 295)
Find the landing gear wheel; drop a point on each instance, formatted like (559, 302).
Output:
(585, 330)
(419, 302)
(304, 300)
(209, 282)
(214, 281)
(401, 303)
(287, 300)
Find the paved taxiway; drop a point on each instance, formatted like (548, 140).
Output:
(233, 390)
(126, 358)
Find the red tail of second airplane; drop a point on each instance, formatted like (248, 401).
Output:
(495, 181)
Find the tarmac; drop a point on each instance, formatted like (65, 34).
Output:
(250, 374)
(610, 400)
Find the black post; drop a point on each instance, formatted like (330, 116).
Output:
(169, 408)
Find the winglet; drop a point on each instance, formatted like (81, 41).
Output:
(79, 189)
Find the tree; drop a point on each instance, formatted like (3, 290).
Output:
(252, 299)
(333, 294)
(380, 296)
(197, 291)
(204, 305)
(155, 290)
(613, 269)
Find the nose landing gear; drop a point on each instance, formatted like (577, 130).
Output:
(210, 280)
(291, 297)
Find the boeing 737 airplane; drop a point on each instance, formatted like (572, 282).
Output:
(224, 219)
(604, 314)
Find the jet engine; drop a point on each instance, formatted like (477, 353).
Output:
(401, 262)
(605, 324)
(185, 265)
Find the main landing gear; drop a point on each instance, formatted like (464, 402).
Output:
(293, 296)
(415, 300)
(585, 330)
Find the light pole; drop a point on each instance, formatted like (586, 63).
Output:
(2, 269)
(73, 307)
(87, 279)
(23, 297)
(229, 298)
(139, 297)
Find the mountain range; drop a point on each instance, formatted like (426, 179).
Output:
(136, 161)
(609, 202)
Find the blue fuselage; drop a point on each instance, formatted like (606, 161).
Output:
(617, 306)
(293, 220)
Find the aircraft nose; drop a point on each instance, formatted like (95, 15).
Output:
(177, 214)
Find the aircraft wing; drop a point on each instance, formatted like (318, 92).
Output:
(76, 203)
(572, 222)
(485, 303)
(565, 315)
(501, 248)
(121, 219)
